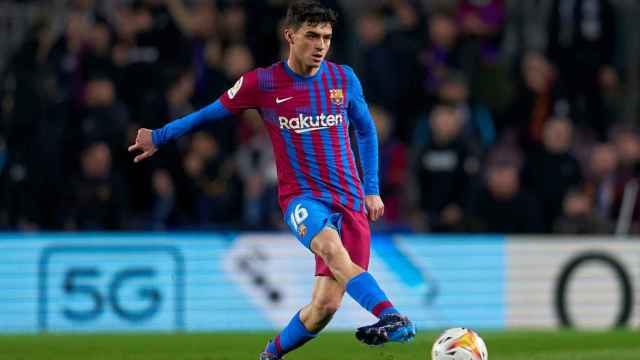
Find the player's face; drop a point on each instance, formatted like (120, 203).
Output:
(310, 43)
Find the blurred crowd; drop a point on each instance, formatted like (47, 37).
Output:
(493, 115)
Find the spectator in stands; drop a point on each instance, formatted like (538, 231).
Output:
(539, 97)
(375, 53)
(149, 43)
(98, 59)
(627, 144)
(582, 43)
(97, 196)
(394, 166)
(441, 53)
(265, 38)
(256, 169)
(477, 123)
(124, 65)
(200, 24)
(551, 170)
(159, 33)
(503, 206)
(67, 55)
(210, 79)
(391, 38)
(102, 118)
(234, 24)
(601, 178)
(173, 102)
(34, 122)
(481, 24)
(526, 28)
(405, 28)
(211, 183)
(579, 216)
(164, 203)
(442, 170)
(236, 61)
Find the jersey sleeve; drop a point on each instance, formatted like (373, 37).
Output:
(366, 134)
(244, 94)
(179, 127)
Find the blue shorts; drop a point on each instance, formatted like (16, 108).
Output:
(306, 217)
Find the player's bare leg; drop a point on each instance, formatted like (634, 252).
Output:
(364, 289)
(328, 246)
(325, 301)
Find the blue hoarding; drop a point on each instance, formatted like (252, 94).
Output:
(448, 280)
(201, 281)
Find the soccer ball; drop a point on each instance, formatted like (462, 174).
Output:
(459, 344)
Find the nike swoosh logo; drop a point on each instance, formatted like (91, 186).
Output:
(279, 101)
(302, 131)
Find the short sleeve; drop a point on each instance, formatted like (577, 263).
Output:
(243, 95)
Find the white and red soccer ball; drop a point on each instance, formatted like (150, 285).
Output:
(459, 344)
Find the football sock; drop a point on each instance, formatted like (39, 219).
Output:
(291, 337)
(364, 289)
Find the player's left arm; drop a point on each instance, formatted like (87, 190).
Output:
(243, 95)
(367, 139)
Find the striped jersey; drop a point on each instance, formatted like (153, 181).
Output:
(308, 119)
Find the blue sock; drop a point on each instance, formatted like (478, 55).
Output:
(291, 337)
(364, 289)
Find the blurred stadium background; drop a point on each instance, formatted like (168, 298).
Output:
(509, 165)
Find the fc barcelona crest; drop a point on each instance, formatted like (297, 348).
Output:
(302, 230)
(336, 96)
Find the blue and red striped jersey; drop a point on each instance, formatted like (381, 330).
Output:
(307, 119)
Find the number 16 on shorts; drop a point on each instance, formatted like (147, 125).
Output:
(298, 216)
(306, 217)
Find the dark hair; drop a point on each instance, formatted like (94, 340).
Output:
(309, 11)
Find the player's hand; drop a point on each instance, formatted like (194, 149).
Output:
(375, 207)
(144, 143)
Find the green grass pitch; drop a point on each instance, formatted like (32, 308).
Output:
(514, 345)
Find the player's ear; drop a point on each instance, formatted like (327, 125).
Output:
(288, 35)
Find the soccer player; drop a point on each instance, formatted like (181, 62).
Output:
(307, 104)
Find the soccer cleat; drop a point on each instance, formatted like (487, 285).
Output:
(391, 327)
(268, 356)
(265, 355)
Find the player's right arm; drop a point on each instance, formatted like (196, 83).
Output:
(242, 96)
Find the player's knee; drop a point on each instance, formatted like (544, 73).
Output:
(327, 248)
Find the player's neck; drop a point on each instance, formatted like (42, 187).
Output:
(301, 69)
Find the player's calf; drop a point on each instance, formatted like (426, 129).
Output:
(359, 284)
(319, 313)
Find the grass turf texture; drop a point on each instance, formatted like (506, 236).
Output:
(516, 345)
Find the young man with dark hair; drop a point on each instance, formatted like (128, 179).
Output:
(307, 104)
